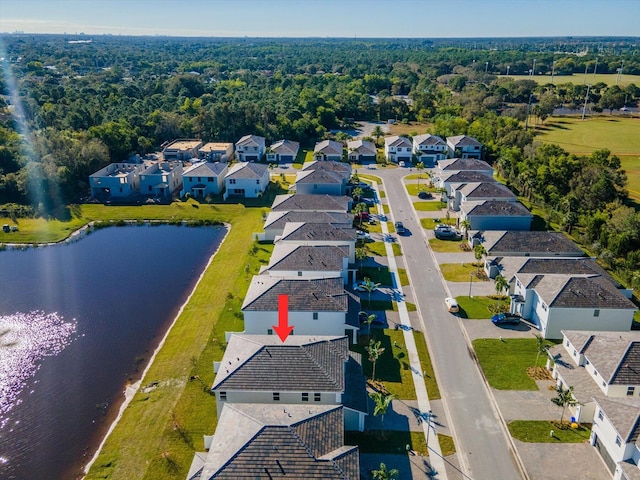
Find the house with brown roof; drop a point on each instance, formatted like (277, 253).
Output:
(429, 149)
(596, 364)
(558, 301)
(276, 441)
(463, 146)
(496, 215)
(317, 306)
(328, 150)
(302, 370)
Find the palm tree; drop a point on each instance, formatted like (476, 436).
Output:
(377, 133)
(564, 399)
(382, 401)
(369, 286)
(358, 210)
(479, 251)
(541, 346)
(466, 225)
(357, 193)
(375, 350)
(419, 168)
(383, 474)
(361, 255)
(501, 285)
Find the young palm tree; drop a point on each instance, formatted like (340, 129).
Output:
(501, 284)
(383, 474)
(357, 193)
(382, 401)
(465, 225)
(479, 251)
(375, 350)
(419, 168)
(377, 133)
(361, 255)
(564, 399)
(541, 346)
(358, 210)
(369, 286)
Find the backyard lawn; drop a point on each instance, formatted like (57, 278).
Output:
(538, 431)
(505, 362)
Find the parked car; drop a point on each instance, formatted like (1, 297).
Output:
(445, 233)
(452, 305)
(401, 164)
(399, 228)
(363, 215)
(506, 319)
(360, 235)
(5, 228)
(424, 195)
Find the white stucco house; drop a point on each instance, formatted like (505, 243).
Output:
(328, 150)
(462, 193)
(247, 180)
(161, 179)
(496, 215)
(276, 221)
(204, 178)
(182, 149)
(556, 302)
(282, 151)
(464, 147)
(361, 151)
(398, 149)
(216, 152)
(298, 261)
(316, 306)
(615, 434)
(116, 180)
(429, 149)
(250, 148)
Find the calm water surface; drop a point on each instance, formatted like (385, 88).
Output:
(76, 320)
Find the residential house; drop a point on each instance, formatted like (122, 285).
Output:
(250, 148)
(182, 149)
(216, 152)
(464, 147)
(339, 168)
(328, 150)
(276, 221)
(311, 182)
(361, 151)
(398, 149)
(116, 180)
(320, 234)
(273, 441)
(161, 179)
(616, 436)
(512, 243)
(311, 203)
(248, 180)
(455, 165)
(304, 369)
(496, 215)
(317, 306)
(556, 302)
(478, 192)
(452, 179)
(429, 149)
(204, 178)
(301, 261)
(283, 151)
(595, 365)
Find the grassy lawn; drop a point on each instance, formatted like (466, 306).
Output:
(411, 307)
(377, 248)
(417, 176)
(414, 188)
(578, 78)
(385, 209)
(390, 441)
(447, 447)
(538, 431)
(445, 246)
(620, 135)
(432, 206)
(505, 362)
(404, 278)
(382, 194)
(380, 275)
(392, 368)
(475, 307)
(426, 366)
(631, 165)
(430, 223)
(366, 176)
(457, 272)
(135, 448)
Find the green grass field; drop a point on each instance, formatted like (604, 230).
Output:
(579, 78)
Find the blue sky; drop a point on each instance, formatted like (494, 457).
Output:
(325, 18)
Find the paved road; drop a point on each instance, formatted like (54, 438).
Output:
(483, 448)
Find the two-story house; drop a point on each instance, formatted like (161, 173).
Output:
(216, 152)
(276, 221)
(247, 179)
(304, 369)
(182, 149)
(204, 178)
(161, 179)
(328, 150)
(462, 193)
(447, 180)
(495, 215)
(463, 146)
(312, 182)
(282, 151)
(455, 165)
(428, 149)
(250, 148)
(339, 168)
(116, 180)
(311, 203)
(361, 151)
(300, 261)
(398, 149)
(320, 234)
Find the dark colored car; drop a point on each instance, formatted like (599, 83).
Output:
(399, 228)
(506, 319)
(424, 195)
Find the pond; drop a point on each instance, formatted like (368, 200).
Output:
(77, 322)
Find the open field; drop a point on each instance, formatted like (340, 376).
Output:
(579, 78)
(413, 128)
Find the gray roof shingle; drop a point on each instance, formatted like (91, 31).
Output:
(624, 415)
(566, 266)
(311, 203)
(307, 258)
(467, 176)
(247, 170)
(280, 218)
(463, 141)
(495, 207)
(528, 242)
(319, 177)
(317, 232)
(463, 164)
(486, 190)
(305, 295)
(205, 169)
(428, 139)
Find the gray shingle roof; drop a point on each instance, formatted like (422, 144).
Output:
(363, 147)
(247, 170)
(341, 168)
(397, 141)
(463, 141)
(466, 176)
(300, 364)
(205, 169)
(266, 442)
(317, 232)
(311, 203)
(486, 190)
(329, 147)
(566, 266)
(531, 242)
(305, 295)
(251, 140)
(319, 177)
(624, 415)
(285, 147)
(428, 139)
(280, 218)
(463, 164)
(307, 258)
(495, 207)
(630, 470)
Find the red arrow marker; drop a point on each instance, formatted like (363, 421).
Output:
(283, 329)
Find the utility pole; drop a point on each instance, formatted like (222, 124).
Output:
(486, 67)
(553, 70)
(508, 67)
(533, 70)
(619, 73)
(526, 123)
(584, 82)
(586, 99)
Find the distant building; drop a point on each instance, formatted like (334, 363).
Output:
(204, 178)
(183, 149)
(216, 152)
(161, 179)
(398, 149)
(464, 147)
(283, 151)
(116, 180)
(250, 148)
(428, 149)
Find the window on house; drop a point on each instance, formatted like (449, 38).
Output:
(544, 306)
(209, 179)
(618, 441)
(223, 396)
(596, 312)
(315, 186)
(299, 274)
(270, 331)
(276, 396)
(631, 390)
(199, 179)
(258, 182)
(317, 397)
(315, 315)
(232, 181)
(305, 397)
(604, 384)
(574, 353)
(600, 415)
